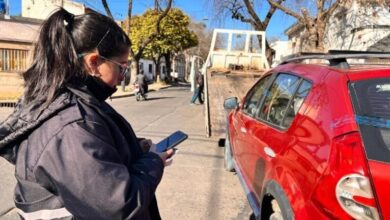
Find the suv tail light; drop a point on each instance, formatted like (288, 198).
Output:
(344, 191)
(354, 194)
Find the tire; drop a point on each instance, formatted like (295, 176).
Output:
(281, 208)
(228, 164)
(137, 97)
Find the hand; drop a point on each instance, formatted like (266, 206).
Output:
(167, 157)
(146, 145)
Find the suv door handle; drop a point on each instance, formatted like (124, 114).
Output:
(268, 151)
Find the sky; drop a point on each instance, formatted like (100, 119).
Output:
(198, 10)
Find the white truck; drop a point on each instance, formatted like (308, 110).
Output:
(235, 61)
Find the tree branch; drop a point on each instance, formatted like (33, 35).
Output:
(157, 29)
(320, 6)
(330, 11)
(129, 11)
(286, 10)
(108, 11)
(271, 12)
(255, 18)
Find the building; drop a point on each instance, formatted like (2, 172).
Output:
(43, 8)
(149, 69)
(357, 27)
(17, 38)
(282, 49)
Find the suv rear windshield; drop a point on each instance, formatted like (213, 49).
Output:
(371, 100)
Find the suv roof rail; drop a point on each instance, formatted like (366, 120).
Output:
(336, 58)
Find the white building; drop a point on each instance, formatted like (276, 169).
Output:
(357, 27)
(282, 49)
(41, 9)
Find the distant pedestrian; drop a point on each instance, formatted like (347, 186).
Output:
(76, 157)
(198, 93)
(141, 81)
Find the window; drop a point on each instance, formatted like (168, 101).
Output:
(150, 68)
(296, 103)
(371, 102)
(278, 98)
(255, 96)
(238, 42)
(13, 60)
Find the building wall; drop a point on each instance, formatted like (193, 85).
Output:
(358, 28)
(145, 66)
(282, 49)
(41, 9)
(16, 48)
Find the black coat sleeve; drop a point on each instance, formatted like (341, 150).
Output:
(92, 181)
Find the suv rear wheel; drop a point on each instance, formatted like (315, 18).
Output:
(275, 205)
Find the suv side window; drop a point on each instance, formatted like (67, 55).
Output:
(254, 97)
(278, 98)
(296, 103)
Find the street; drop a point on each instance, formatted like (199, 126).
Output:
(195, 186)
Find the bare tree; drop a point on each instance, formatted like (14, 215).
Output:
(315, 25)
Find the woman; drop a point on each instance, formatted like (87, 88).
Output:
(75, 157)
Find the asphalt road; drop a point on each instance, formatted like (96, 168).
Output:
(195, 186)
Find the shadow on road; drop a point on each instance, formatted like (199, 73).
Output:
(156, 98)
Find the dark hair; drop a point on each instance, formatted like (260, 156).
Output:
(62, 39)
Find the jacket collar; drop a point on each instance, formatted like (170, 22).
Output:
(98, 88)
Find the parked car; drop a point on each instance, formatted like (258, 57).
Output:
(312, 141)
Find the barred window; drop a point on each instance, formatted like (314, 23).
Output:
(13, 60)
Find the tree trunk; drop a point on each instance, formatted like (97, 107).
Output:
(134, 69)
(269, 53)
(167, 57)
(156, 62)
(187, 59)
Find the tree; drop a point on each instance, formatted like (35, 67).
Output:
(204, 37)
(174, 37)
(315, 18)
(136, 49)
(244, 10)
(314, 25)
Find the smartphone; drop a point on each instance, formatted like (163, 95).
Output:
(171, 141)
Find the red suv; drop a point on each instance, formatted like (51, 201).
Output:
(312, 141)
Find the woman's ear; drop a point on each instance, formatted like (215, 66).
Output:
(91, 62)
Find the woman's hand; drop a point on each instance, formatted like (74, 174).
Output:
(148, 146)
(166, 156)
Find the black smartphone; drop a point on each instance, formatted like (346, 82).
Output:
(171, 141)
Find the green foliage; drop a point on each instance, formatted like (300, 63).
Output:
(174, 33)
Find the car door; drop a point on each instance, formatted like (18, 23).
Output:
(243, 121)
(268, 134)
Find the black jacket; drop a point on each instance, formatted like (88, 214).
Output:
(79, 159)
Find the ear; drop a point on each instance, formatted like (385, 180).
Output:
(92, 62)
